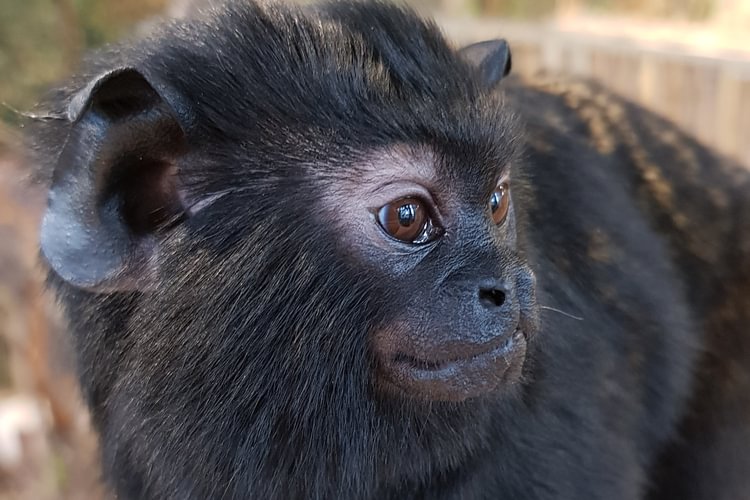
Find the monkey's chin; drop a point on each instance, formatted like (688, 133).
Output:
(458, 379)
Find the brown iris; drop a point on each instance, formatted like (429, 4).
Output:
(406, 220)
(500, 203)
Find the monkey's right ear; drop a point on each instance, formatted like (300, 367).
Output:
(491, 59)
(114, 188)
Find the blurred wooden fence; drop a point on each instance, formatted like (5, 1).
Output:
(708, 96)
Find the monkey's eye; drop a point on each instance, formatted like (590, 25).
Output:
(407, 220)
(500, 203)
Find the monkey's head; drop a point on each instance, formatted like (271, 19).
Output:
(268, 217)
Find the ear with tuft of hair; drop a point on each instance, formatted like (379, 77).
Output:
(115, 187)
(491, 59)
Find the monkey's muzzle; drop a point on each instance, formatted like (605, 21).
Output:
(457, 372)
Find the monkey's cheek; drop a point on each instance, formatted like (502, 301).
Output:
(457, 380)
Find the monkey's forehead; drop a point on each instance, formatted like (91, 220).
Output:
(398, 170)
(367, 71)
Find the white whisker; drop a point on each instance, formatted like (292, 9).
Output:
(572, 316)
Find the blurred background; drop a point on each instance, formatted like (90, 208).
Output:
(686, 59)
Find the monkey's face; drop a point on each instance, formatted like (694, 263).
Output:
(456, 302)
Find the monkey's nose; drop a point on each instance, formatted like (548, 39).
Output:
(492, 293)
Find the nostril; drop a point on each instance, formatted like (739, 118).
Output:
(491, 297)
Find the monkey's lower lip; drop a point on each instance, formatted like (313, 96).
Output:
(459, 379)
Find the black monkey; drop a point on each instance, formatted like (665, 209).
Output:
(323, 254)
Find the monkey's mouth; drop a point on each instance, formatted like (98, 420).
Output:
(499, 344)
(455, 378)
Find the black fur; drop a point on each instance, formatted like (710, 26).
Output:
(245, 370)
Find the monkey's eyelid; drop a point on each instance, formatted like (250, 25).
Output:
(503, 177)
(397, 189)
(406, 249)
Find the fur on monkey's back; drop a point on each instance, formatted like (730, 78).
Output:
(698, 204)
(633, 226)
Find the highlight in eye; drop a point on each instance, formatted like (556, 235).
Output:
(500, 203)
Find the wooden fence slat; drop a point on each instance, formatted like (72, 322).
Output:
(708, 97)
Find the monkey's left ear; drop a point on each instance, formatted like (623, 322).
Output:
(491, 59)
(115, 189)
